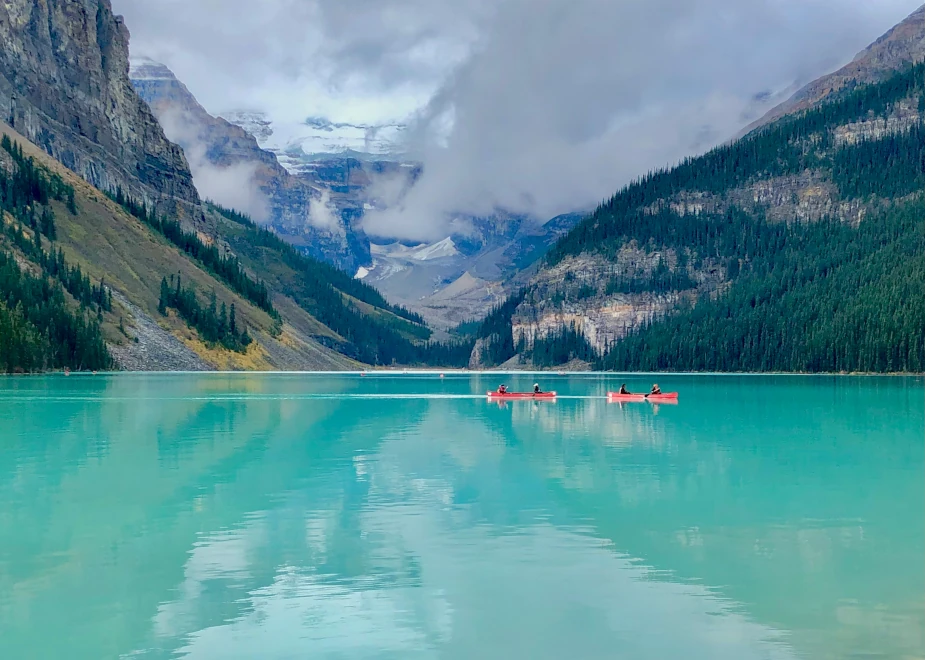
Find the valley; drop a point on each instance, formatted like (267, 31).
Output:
(314, 182)
(186, 240)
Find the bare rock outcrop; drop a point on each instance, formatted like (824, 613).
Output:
(578, 293)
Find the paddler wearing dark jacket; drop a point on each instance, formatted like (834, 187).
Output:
(536, 388)
(623, 389)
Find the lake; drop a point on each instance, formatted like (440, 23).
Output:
(404, 516)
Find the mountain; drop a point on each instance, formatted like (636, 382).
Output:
(63, 87)
(117, 263)
(800, 247)
(227, 160)
(304, 188)
(456, 279)
(902, 44)
(95, 268)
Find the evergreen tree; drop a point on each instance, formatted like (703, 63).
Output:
(164, 297)
(38, 330)
(223, 321)
(48, 227)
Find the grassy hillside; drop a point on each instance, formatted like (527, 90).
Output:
(111, 246)
(797, 248)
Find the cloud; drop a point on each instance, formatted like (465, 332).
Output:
(357, 61)
(323, 215)
(560, 105)
(528, 106)
(233, 186)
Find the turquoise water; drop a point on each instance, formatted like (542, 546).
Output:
(404, 516)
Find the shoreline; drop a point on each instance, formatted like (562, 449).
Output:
(380, 371)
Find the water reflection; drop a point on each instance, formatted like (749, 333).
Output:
(235, 516)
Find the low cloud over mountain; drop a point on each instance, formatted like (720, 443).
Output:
(531, 106)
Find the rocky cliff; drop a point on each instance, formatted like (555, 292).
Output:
(64, 85)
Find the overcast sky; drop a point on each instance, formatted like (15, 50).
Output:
(538, 106)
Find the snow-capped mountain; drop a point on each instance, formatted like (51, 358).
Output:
(463, 275)
(318, 179)
(298, 144)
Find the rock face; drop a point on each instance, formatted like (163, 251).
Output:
(903, 44)
(229, 166)
(577, 293)
(64, 85)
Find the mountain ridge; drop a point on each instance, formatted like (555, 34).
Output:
(297, 145)
(902, 44)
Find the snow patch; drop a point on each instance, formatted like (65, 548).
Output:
(439, 250)
(361, 273)
(143, 68)
(419, 252)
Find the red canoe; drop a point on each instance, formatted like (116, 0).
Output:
(522, 395)
(665, 396)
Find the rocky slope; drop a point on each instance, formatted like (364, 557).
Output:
(64, 85)
(903, 44)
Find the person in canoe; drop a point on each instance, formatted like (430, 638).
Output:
(536, 388)
(502, 389)
(655, 390)
(623, 389)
